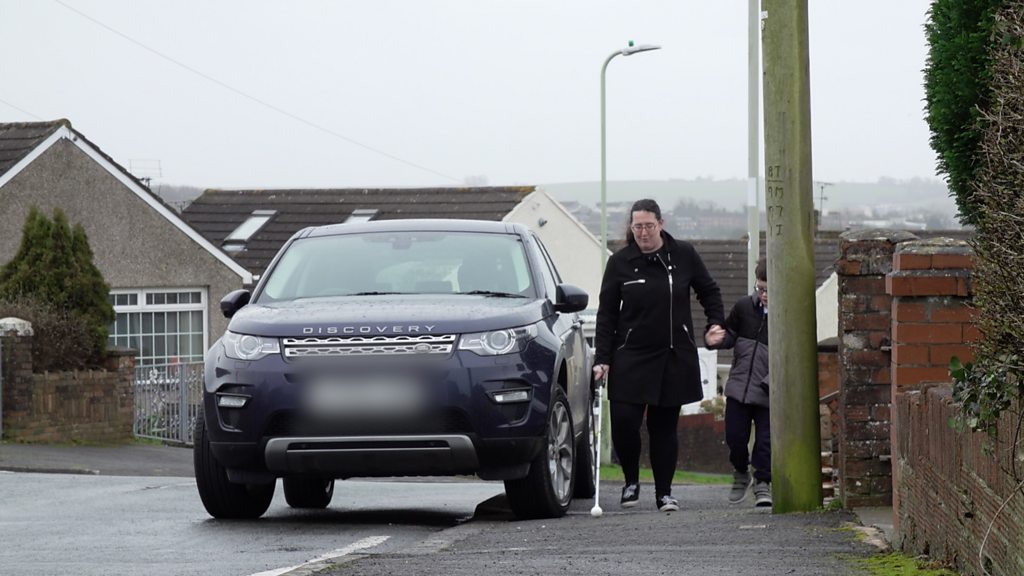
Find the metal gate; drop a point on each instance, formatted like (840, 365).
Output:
(167, 401)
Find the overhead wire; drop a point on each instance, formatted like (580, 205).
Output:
(259, 101)
(19, 109)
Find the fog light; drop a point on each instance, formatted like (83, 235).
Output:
(226, 401)
(509, 396)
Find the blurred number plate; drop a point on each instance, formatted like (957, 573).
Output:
(365, 396)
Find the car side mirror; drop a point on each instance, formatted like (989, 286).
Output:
(569, 298)
(233, 302)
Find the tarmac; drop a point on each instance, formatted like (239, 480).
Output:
(708, 523)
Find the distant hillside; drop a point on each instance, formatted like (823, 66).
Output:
(885, 195)
(178, 197)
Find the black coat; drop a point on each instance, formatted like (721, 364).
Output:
(644, 327)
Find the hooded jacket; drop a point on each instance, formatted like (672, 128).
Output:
(747, 333)
(644, 327)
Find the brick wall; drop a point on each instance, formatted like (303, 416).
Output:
(951, 487)
(864, 403)
(948, 485)
(702, 445)
(78, 406)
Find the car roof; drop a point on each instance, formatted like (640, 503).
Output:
(423, 224)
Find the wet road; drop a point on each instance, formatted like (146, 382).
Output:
(84, 525)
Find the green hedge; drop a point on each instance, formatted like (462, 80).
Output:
(957, 89)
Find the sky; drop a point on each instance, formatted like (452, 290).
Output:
(381, 93)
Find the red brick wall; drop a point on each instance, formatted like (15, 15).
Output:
(949, 485)
(864, 405)
(702, 445)
(828, 372)
(80, 406)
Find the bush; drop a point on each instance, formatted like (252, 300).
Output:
(62, 339)
(54, 266)
(957, 90)
(994, 383)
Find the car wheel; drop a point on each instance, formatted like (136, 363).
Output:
(308, 492)
(584, 480)
(546, 490)
(221, 497)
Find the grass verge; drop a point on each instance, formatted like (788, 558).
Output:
(614, 473)
(896, 564)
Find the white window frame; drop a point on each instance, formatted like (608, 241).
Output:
(141, 293)
(257, 220)
(361, 215)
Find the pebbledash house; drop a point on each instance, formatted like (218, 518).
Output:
(168, 271)
(166, 279)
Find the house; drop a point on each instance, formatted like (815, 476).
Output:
(251, 225)
(166, 279)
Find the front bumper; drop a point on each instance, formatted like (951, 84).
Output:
(460, 429)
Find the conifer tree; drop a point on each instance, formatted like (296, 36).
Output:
(54, 265)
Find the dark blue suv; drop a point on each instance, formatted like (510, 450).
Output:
(399, 348)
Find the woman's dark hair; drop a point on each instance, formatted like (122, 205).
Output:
(644, 205)
(761, 270)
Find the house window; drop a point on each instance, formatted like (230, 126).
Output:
(361, 215)
(235, 242)
(164, 326)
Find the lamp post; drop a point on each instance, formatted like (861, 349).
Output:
(606, 445)
(627, 51)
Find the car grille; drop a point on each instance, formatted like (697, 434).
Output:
(318, 347)
(292, 423)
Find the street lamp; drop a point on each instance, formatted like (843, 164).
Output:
(606, 446)
(627, 51)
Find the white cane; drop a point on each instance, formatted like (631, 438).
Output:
(596, 511)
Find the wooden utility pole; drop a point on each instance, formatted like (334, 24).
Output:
(789, 201)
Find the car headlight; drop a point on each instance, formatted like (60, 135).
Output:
(497, 342)
(248, 347)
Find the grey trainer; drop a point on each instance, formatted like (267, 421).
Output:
(762, 494)
(667, 503)
(740, 486)
(630, 495)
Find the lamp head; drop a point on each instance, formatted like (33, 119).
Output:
(633, 49)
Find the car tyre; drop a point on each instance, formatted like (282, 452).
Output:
(302, 492)
(584, 479)
(221, 497)
(546, 491)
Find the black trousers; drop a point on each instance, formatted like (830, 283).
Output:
(661, 429)
(738, 419)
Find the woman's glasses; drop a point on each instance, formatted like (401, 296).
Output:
(645, 226)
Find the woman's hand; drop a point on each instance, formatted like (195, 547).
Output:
(600, 371)
(714, 336)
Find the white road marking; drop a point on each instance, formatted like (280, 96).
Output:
(368, 542)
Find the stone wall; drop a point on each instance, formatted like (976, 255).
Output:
(78, 406)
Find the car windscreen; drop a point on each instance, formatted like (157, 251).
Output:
(407, 262)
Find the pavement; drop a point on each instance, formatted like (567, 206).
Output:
(130, 459)
(708, 536)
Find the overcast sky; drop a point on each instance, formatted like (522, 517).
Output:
(340, 93)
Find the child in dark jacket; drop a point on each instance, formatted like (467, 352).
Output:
(746, 392)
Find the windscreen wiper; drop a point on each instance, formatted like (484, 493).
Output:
(493, 293)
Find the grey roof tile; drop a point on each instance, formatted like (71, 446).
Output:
(18, 139)
(217, 213)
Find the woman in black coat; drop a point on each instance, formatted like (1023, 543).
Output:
(645, 344)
